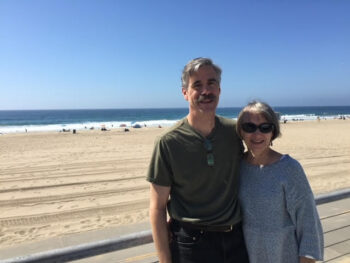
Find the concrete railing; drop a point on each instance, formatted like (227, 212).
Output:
(86, 250)
(331, 197)
(126, 241)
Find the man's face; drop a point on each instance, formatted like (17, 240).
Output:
(203, 90)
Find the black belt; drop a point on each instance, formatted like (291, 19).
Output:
(209, 228)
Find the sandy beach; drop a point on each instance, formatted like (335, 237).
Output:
(54, 184)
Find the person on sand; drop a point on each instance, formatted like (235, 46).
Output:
(280, 220)
(194, 174)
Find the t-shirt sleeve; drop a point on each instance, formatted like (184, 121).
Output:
(239, 141)
(302, 209)
(159, 170)
(241, 147)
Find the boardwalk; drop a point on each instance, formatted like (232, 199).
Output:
(335, 217)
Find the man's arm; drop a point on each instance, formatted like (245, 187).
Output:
(159, 196)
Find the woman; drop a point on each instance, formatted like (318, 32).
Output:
(280, 220)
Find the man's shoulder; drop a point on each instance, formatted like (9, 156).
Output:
(172, 132)
(226, 122)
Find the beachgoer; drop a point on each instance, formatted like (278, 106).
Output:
(194, 174)
(280, 219)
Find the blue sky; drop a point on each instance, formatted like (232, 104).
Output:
(73, 54)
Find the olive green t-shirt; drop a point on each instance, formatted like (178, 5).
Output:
(200, 193)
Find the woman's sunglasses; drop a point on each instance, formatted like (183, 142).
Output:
(250, 127)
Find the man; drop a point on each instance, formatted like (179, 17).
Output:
(194, 175)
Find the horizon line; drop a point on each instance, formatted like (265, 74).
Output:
(159, 108)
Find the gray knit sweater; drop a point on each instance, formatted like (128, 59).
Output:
(280, 220)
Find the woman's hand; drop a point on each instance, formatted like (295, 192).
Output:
(307, 260)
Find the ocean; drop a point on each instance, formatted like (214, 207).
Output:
(17, 121)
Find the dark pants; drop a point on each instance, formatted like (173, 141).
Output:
(190, 245)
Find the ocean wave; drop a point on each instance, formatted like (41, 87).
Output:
(130, 124)
(84, 126)
(308, 117)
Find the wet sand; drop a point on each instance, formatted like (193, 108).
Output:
(55, 184)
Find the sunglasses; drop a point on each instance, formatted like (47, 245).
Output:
(250, 127)
(210, 156)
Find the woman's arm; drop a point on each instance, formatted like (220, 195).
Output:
(307, 260)
(303, 212)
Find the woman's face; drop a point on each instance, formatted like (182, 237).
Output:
(258, 142)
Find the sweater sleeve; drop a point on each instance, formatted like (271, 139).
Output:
(302, 210)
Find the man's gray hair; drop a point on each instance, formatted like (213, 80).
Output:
(194, 65)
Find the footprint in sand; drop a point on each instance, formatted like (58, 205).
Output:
(22, 232)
